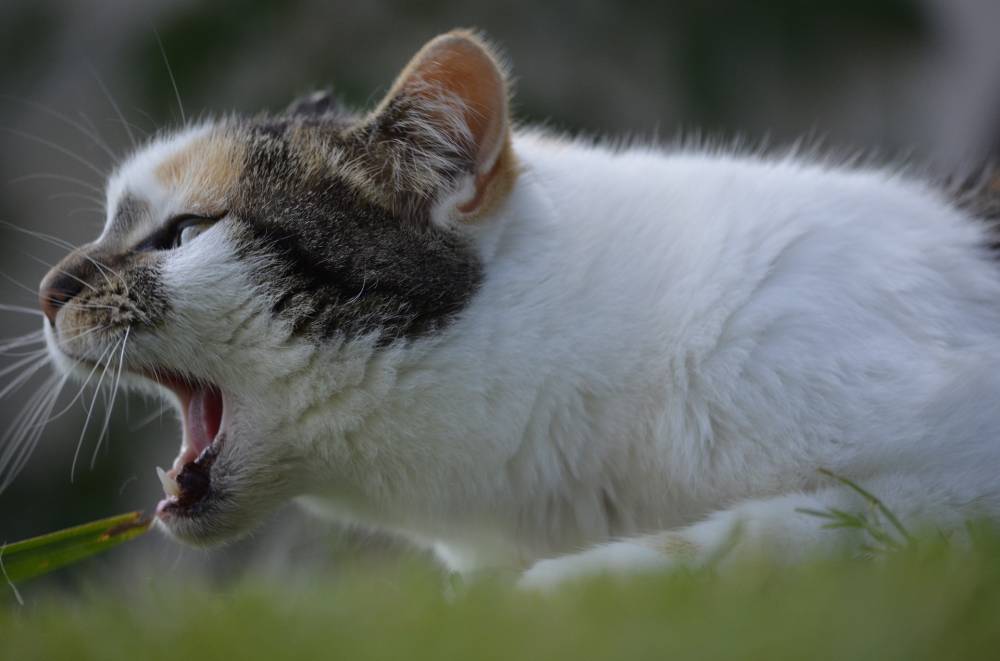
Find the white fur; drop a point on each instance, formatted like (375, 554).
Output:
(661, 337)
(665, 347)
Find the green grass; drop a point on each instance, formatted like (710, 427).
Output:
(930, 601)
(33, 557)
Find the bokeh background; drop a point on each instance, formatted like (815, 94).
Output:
(900, 79)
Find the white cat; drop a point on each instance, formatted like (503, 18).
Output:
(536, 352)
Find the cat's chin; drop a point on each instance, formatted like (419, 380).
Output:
(221, 497)
(198, 512)
(215, 490)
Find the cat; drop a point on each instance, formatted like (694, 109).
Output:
(527, 351)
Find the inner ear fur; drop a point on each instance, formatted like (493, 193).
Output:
(443, 130)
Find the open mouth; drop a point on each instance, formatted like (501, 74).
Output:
(187, 485)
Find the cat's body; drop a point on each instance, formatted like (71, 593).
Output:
(659, 337)
(561, 344)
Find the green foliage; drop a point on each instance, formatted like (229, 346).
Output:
(40, 555)
(884, 539)
(931, 601)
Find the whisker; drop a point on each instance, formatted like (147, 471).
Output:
(111, 100)
(66, 273)
(13, 437)
(90, 411)
(93, 129)
(10, 351)
(30, 441)
(19, 440)
(132, 125)
(20, 308)
(114, 395)
(148, 117)
(33, 334)
(35, 337)
(59, 148)
(170, 72)
(18, 364)
(83, 386)
(56, 177)
(21, 354)
(82, 210)
(158, 414)
(71, 195)
(92, 134)
(85, 306)
(23, 377)
(54, 240)
(95, 329)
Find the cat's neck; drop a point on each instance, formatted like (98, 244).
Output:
(411, 438)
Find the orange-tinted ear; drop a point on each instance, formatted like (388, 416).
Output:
(442, 131)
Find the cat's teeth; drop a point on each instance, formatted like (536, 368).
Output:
(170, 486)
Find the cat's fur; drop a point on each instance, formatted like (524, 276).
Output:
(512, 346)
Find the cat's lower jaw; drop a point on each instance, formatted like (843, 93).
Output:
(202, 407)
(189, 490)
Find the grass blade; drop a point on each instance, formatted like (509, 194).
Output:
(40, 555)
(874, 501)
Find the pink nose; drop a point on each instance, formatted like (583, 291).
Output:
(55, 292)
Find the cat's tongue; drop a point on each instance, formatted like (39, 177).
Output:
(202, 419)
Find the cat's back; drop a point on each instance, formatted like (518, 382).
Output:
(700, 234)
(816, 301)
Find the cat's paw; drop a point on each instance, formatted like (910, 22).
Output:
(616, 559)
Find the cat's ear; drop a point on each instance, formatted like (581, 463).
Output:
(315, 104)
(439, 143)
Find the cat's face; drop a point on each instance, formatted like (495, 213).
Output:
(239, 255)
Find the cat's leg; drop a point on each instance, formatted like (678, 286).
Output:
(781, 529)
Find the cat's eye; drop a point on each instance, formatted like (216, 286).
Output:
(178, 231)
(190, 232)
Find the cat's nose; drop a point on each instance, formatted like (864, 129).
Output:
(57, 289)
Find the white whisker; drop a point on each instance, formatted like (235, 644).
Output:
(83, 386)
(149, 419)
(95, 329)
(82, 210)
(170, 72)
(89, 132)
(35, 337)
(111, 100)
(90, 412)
(35, 433)
(40, 355)
(104, 269)
(72, 302)
(66, 273)
(19, 440)
(22, 378)
(56, 177)
(22, 354)
(59, 148)
(73, 195)
(22, 309)
(114, 395)
(88, 306)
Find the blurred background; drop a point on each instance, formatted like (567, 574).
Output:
(901, 79)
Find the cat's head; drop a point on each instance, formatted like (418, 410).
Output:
(239, 253)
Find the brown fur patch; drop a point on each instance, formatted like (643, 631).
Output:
(206, 171)
(316, 154)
